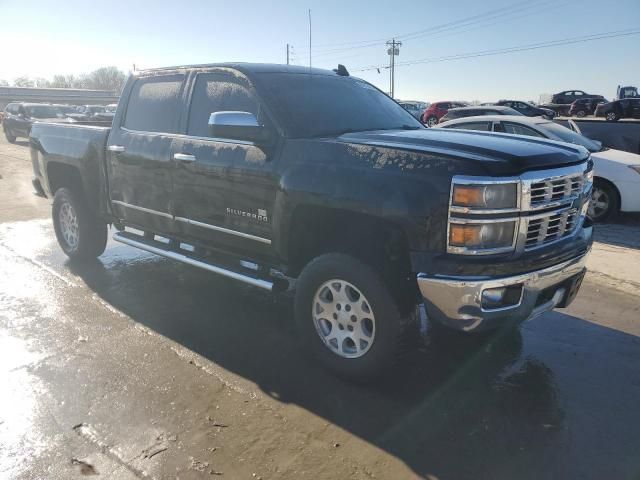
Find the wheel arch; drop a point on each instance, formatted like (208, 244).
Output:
(316, 230)
(62, 175)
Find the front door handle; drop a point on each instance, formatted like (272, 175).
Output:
(115, 148)
(184, 157)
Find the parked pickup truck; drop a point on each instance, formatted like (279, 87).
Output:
(284, 177)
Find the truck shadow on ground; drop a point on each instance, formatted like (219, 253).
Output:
(459, 408)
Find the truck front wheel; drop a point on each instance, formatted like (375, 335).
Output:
(347, 317)
(80, 233)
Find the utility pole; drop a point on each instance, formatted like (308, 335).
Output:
(393, 50)
(287, 54)
(309, 39)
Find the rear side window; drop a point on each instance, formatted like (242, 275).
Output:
(482, 126)
(154, 104)
(516, 129)
(217, 92)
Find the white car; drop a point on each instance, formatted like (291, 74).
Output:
(616, 173)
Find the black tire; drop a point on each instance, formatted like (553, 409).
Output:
(10, 138)
(90, 232)
(432, 121)
(581, 114)
(385, 348)
(611, 116)
(606, 194)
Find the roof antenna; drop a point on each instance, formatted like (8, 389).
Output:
(341, 70)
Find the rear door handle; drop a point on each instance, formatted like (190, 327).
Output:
(184, 157)
(115, 148)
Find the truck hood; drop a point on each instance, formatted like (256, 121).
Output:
(499, 154)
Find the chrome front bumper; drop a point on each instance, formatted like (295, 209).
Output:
(457, 301)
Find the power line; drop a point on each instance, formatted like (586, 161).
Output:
(453, 25)
(520, 48)
(489, 15)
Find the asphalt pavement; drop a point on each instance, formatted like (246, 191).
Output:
(134, 366)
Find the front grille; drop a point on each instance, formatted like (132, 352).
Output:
(556, 189)
(553, 226)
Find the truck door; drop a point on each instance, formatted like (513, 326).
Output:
(139, 162)
(224, 189)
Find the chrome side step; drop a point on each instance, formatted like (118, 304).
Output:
(122, 237)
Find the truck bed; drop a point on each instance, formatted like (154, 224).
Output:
(70, 153)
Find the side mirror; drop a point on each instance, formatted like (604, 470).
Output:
(242, 126)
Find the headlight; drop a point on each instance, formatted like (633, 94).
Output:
(635, 167)
(492, 196)
(481, 236)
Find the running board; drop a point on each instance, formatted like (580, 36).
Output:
(122, 237)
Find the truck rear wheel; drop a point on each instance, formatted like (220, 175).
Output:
(80, 233)
(347, 317)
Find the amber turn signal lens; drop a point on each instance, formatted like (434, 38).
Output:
(462, 235)
(469, 196)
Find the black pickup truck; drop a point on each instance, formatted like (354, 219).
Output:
(288, 178)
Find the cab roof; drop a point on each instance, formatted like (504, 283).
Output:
(248, 68)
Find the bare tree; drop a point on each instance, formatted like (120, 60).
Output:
(42, 82)
(23, 81)
(106, 78)
(63, 81)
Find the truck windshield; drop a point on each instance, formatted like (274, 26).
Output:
(322, 105)
(42, 111)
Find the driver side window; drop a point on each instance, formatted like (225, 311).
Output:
(218, 92)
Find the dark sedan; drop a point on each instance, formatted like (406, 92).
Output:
(528, 109)
(569, 96)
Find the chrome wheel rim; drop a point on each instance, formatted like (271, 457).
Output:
(343, 318)
(611, 116)
(599, 203)
(432, 121)
(69, 225)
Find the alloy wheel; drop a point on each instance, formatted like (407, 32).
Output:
(599, 203)
(69, 225)
(343, 318)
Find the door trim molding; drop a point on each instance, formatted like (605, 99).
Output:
(223, 230)
(142, 209)
(194, 222)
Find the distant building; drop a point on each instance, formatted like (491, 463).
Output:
(73, 96)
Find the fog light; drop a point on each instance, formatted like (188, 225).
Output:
(492, 297)
(501, 297)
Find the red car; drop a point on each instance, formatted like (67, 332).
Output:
(437, 110)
